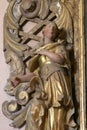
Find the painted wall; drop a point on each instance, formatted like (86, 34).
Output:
(4, 71)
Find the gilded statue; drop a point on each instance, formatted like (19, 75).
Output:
(53, 71)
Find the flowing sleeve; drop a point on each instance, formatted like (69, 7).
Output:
(61, 50)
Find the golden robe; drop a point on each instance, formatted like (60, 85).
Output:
(56, 80)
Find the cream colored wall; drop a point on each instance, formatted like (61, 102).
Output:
(4, 71)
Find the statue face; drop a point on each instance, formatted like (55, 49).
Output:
(50, 31)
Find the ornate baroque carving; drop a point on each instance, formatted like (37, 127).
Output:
(43, 96)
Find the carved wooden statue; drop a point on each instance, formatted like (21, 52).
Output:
(41, 78)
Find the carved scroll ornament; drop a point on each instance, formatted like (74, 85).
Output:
(42, 78)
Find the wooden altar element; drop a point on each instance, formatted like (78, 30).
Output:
(69, 18)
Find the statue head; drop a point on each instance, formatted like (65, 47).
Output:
(51, 31)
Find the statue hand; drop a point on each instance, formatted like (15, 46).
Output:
(15, 81)
(43, 52)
